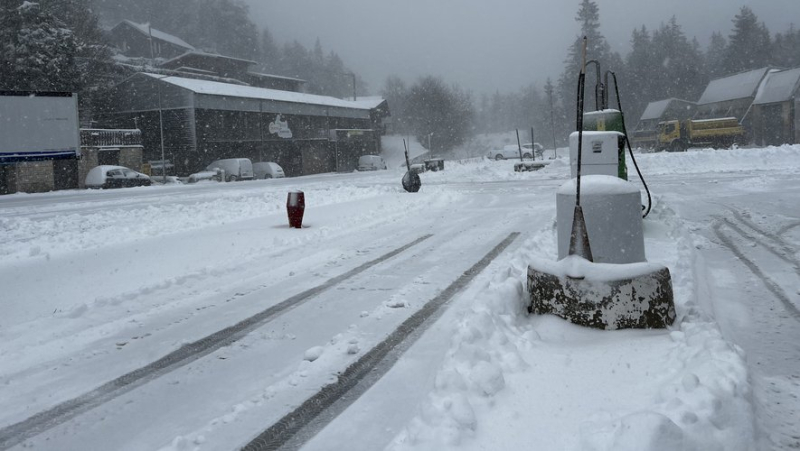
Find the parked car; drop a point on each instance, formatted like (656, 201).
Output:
(205, 176)
(538, 149)
(235, 168)
(268, 170)
(371, 163)
(106, 176)
(511, 151)
(418, 168)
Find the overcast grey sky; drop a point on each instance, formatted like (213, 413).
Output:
(486, 45)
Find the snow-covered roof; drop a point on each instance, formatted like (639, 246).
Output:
(655, 110)
(201, 54)
(737, 86)
(369, 102)
(157, 34)
(278, 77)
(778, 86)
(215, 88)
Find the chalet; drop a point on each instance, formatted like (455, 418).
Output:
(134, 41)
(731, 96)
(226, 67)
(775, 119)
(205, 120)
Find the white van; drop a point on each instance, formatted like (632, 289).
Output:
(268, 170)
(235, 168)
(371, 163)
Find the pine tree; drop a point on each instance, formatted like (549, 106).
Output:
(750, 43)
(38, 50)
(679, 64)
(638, 74)
(598, 49)
(270, 54)
(785, 47)
(715, 55)
(553, 122)
(395, 93)
(440, 113)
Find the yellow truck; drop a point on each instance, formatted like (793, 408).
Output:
(676, 136)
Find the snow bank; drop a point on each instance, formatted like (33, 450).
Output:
(697, 161)
(105, 223)
(512, 381)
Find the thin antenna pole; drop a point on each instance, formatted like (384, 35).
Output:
(581, 84)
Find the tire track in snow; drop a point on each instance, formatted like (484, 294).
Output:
(16, 433)
(779, 246)
(296, 427)
(771, 285)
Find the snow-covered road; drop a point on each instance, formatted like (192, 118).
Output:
(102, 285)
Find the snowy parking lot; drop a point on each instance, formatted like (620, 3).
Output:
(192, 317)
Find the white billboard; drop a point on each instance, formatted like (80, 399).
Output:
(38, 126)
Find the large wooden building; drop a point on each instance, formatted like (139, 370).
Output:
(204, 120)
(731, 96)
(775, 120)
(764, 101)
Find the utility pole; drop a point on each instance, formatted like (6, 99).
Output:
(160, 108)
(552, 119)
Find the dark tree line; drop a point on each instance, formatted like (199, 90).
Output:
(661, 64)
(440, 116)
(58, 45)
(54, 45)
(224, 26)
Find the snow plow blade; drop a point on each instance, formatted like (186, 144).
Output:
(602, 295)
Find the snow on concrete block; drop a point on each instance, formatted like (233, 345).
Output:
(602, 296)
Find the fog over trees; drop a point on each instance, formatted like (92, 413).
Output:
(60, 45)
(661, 64)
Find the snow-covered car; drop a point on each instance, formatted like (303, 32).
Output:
(235, 168)
(268, 170)
(511, 151)
(106, 176)
(371, 163)
(205, 176)
(158, 179)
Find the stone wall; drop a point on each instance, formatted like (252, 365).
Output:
(30, 177)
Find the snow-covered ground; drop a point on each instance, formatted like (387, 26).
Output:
(99, 285)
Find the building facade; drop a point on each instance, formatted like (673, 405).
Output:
(136, 40)
(775, 119)
(204, 120)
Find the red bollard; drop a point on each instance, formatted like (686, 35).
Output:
(295, 206)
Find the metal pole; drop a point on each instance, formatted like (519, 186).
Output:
(161, 128)
(160, 110)
(354, 85)
(533, 147)
(552, 125)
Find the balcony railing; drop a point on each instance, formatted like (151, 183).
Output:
(96, 137)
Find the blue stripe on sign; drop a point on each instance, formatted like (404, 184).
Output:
(12, 157)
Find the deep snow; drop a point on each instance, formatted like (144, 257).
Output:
(104, 282)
